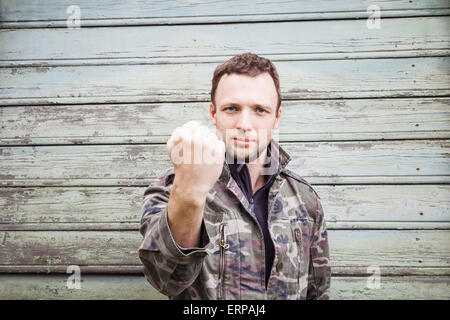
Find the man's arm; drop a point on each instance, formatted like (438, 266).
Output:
(184, 215)
(173, 219)
(167, 266)
(319, 277)
(197, 156)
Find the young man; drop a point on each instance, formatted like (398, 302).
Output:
(229, 221)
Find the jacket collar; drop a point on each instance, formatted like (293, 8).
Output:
(278, 153)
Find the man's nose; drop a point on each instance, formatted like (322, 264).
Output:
(244, 121)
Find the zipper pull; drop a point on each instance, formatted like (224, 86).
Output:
(251, 204)
(223, 243)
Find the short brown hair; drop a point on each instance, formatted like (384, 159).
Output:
(249, 64)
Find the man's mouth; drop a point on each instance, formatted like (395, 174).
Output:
(242, 141)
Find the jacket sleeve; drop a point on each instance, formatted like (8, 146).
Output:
(319, 276)
(168, 267)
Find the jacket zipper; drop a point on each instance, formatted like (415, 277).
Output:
(223, 246)
(252, 213)
(298, 240)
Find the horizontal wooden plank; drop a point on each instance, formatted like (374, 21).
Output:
(385, 271)
(137, 288)
(44, 206)
(233, 19)
(119, 226)
(337, 271)
(106, 208)
(213, 59)
(23, 13)
(412, 161)
(364, 78)
(56, 46)
(389, 248)
(391, 288)
(348, 248)
(302, 120)
(100, 287)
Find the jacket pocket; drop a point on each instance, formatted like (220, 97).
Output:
(223, 247)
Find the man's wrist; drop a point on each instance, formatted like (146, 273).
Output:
(189, 194)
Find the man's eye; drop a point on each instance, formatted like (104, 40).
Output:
(228, 108)
(261, 110)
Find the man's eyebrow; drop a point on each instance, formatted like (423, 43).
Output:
(262, 106)
(253, 105)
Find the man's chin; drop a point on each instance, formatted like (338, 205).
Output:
(241, 156)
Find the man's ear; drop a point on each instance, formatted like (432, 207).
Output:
(212, 113)
(277, 118)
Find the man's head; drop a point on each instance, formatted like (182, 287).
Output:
(246, 104)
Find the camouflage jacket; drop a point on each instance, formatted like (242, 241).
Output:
(230, 262)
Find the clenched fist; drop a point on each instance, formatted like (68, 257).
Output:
(197, 155)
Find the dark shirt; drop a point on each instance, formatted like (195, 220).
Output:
(259, 202)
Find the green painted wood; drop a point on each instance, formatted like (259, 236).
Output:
(302, 120)
(412, 161)
(136, 287)
(399, 204)
(307, 38)
(342, 271)
(112, 208)
(99, 206)
(403, 229)
(23, 13)
(348, 248)
(331, 224)
(101, 287)
(391, 288)
(339, 271)
(156, 83)
(213, 59)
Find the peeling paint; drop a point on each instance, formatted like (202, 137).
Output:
(4, 238)
(42, 69)
(352, 146)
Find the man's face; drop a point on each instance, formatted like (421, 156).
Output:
(245, 114)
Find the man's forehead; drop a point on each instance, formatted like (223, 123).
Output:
(235, 79)
(249, 91)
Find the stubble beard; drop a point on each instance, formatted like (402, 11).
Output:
(248, 158)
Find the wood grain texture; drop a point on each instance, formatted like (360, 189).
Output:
(23, 13)
(120, 270)
(101, 287)
(119, 208)
(359, 249)
(301, 120)
(137, 288)
(61, 46)
(364, 78)
(416, 161)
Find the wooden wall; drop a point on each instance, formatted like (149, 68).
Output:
(85, 114)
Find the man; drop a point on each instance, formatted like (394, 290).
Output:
(229, 220)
